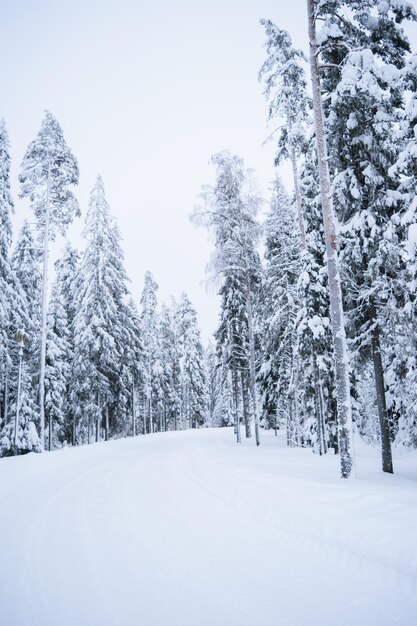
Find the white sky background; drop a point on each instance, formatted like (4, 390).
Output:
(146, 92)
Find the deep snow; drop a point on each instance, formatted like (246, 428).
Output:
(189, 529)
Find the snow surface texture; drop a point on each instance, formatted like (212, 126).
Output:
(189, 529)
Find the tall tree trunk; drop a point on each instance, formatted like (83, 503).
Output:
(44, 310)
(133, 411)
(19, 380)
(245, 403)
(335, 290)
(380, 391)
(252, 364)
(317, 406)
(323, 419)
(50, 433)
(6, 394)
(296, 181)
(107, 423)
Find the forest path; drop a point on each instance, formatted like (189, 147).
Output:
(188, 529)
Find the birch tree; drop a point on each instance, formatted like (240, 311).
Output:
(335, 288)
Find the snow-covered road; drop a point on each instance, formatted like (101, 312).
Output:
(188, 529)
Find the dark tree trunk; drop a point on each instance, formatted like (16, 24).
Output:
(245, 403)
(380, 391)
(50, 433)
(235, 391)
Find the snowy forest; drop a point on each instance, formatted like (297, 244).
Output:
(317, 283)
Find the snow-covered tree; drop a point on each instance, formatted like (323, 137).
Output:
(6, 280)
(229, 211)
(48, 172)
(149, 335)
(58, 364)
(26, 266)
(363, 56)
(170, 368)
(286, 91)
(192, 365)
(66, 276)
(278, 374)
(99, 332)
(335, 289)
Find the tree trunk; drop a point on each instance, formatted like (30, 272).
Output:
(107, 424)
(298, 199)
(133, 411)
(16, 425)
(380, 391)
(235, 391)
(6, 394)
(44, 311)
(252, 359)
(245, 403)
(335, 290)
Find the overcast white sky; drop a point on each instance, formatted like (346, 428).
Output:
(146, 92)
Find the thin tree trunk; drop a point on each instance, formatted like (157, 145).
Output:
(16, 425)
(323, 419)
(50, 433)
(296, 181)
(133, 411)
(245, 404)
(107, 424)
(235, 391)
(317, 403)
(44, 310)
(6, 394)
(98, 419)
(380, 391)
(252, 359)
(335, 290)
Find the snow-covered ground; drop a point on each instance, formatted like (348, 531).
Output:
(188, 529)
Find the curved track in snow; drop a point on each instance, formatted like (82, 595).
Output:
(188, 529)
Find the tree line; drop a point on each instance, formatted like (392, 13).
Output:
(84, 364)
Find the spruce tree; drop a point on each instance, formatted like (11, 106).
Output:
(192, 365)
(229, 211)
(149, 335)
(99, 333)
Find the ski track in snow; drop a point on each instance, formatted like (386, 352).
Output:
(189, 529)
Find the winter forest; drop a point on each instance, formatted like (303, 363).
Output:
(316, 331)
(315, 349)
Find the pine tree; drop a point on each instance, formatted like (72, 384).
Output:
(25, 263)
(99, 334)
(280, 305)
(48, 171)
(286, 90)
(229, 211)
(192, 365)
(148, 331)
(171, 374)
(66, 276)
(58, 365)
(314, 344)
(6, 279)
